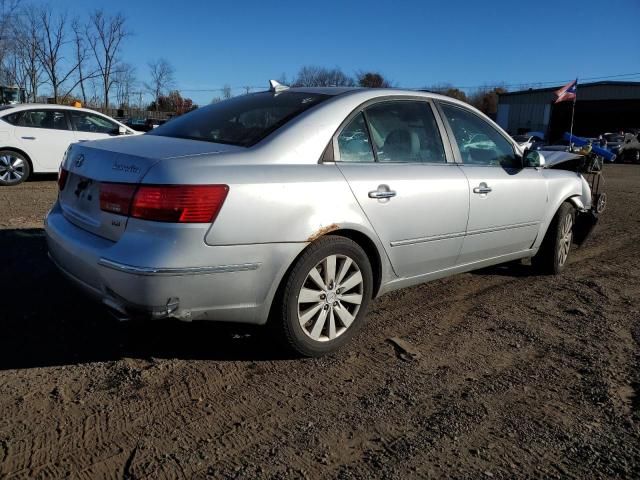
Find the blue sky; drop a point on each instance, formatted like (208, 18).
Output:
(414, 43)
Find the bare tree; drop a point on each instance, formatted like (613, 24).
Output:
(124, 81)
(7, 9)
(313, 76)
(80, 48)
(161, 73)
(27, 37)
(51, 49)
(105, 34)
(226, 92)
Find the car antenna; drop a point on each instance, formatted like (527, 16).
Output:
(277, 87)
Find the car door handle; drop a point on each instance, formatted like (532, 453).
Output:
(482, 188)
(382, 194)
(28, 138)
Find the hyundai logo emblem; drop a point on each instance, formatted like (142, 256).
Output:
(79, 160)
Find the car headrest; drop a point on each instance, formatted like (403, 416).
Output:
(402, 142)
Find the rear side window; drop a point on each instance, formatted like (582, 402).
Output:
(479, 143)
(242, 121)
(50, 119)
(12, 118)
(405, 131)
(353, 142)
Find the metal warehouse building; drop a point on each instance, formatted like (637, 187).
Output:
(600, 107)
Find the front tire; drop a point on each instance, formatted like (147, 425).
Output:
(554, 251)
(325, 297)
(14, 168)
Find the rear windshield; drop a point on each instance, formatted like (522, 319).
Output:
(242, 121)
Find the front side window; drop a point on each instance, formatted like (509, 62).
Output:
(243, 120)
(479, 143)
(87, 122)
(405, 131)
(50, 119)
(353, 142)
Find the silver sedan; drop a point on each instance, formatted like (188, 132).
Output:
(297, 206)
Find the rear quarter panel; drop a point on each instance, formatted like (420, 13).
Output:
(273, 203)
(270, 203)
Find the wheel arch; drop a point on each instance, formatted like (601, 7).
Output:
(360, 238)
(21, 152)
(573, 200)
(576, 201)
(370, 250)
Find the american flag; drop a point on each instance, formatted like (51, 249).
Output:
(568, 92)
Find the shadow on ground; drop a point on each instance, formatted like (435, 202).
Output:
(46, 321)
(42, 177)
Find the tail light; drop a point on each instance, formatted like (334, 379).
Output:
(179, 203)
(62, 178)
(164, 203)
(116, 197)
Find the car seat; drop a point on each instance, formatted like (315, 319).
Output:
(401, 145)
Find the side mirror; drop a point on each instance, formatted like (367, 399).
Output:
(533, 158)
(122, 130)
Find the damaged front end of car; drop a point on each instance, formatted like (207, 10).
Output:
(588, 165)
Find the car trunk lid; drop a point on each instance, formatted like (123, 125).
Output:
(91, 165)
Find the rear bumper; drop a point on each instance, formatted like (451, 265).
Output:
(154, 276)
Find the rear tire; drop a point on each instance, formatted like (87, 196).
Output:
(14, 168)
(554, 251)
(325, 297)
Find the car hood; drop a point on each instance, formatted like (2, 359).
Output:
(160, 148)
(554, 157)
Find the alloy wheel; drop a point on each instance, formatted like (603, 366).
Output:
(330, 298)
(566, 236)
(12, 168)
(601, 203)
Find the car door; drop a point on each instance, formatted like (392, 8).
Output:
(414, 195)
(90, 126)
(506, 201)
(44, 135)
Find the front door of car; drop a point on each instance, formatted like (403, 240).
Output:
(44, 135)
(393, 157)
(506, 201)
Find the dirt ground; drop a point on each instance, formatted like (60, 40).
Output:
(513, 375)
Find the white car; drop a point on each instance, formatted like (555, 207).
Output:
(34, 137)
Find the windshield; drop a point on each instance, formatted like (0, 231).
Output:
(242, 121)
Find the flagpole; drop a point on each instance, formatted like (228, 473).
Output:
(573, 109)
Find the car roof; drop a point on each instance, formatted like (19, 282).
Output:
(372, 92)
(365, 94)
(45, 106)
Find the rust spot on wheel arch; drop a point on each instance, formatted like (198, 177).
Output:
(323, 231)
